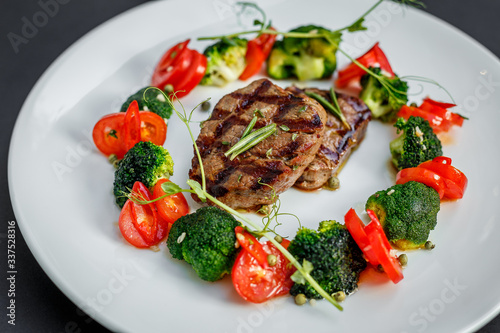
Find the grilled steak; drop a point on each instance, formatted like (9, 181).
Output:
(278, 161)
(338, 141)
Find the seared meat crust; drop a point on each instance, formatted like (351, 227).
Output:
(338, 141)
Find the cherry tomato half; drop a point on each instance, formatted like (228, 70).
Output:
(141, 225)
(257, 284)
(171, 65)
(180, 67)
(172, 207)
(108, 134)
(153, 128)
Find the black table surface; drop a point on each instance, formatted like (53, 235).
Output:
(40, 305)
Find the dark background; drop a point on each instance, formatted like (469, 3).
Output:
(40, 306)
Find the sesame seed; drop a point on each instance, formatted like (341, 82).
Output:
(181, 238)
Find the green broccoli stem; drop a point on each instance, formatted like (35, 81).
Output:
(280, 247)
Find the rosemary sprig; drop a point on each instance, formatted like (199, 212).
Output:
(335, 110)
(250, 140)
(249, 127)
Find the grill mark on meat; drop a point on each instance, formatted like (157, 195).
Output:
(288, 150)
(300, 124)
(263, 174)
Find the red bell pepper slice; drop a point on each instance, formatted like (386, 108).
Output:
(424, 176)
(252, 246)
(439, 117)
(352, 73)
(455, 180)
(258, 50)
(372, 241)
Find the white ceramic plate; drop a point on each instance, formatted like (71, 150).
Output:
(61, 185)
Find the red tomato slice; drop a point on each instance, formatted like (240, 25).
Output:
(144, 217)
(107, 134)
(257, 284)
(131, 126)
(192, 76)
(172, 207)
(374, 57)
(455, 181)
(153, 128)
(171, 65)
(127, 227)
(180, 67)
(252, 246)
(424, 176)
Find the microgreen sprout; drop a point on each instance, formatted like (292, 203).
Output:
(264, 26)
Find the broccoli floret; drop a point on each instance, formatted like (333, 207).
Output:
(145, 162)
(304, 58)
(155, 102)
(225, 61)
(382, 104)
(407, 212)
(206, 240)
(337, 260)
(418, 143)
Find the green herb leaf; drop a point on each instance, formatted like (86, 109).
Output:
(284, 128)
(294, 136)
(170, 188)
(298, 277)
(196, 187)
(357, 26)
